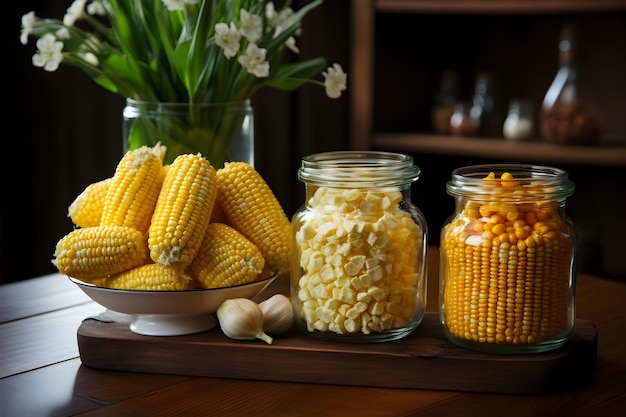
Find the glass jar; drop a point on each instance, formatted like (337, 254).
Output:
(507, 281)
(520, 122)
(359, 248)
(462, 121)
(444, 101)
(567, 115)
(486, 106)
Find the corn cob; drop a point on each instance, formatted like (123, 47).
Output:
(150, 277)
(183, 210)
(253, 209)
(94, 252)
(226, 258)
(134, 189)
(86, 209)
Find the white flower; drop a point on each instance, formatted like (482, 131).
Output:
(75, 12)
(49, 54)
(28, 21)
(95, 8)
(63, 33)
(334, 81)
(291, 44)
(90, 58)
(227, 37)
(254, 61)
(276, 20)
(251, 26)
(119, 43)
(178, 4)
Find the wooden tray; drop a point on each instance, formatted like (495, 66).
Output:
(423, 360)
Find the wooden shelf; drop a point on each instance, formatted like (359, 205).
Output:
(499, 148)
(372, 82)
(498, 6)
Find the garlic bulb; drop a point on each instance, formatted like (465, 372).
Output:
(242, 319)
(277, 314)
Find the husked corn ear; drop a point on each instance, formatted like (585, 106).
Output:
(86, 209)
(183, 210)
(226, 258)
(94, 252)
(253, 209)
(134, 189)
(151, 277)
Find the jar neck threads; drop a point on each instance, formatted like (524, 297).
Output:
(349, 169)
(538, 182)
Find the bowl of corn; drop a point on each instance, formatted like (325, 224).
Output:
(168, 244)
(171, 313)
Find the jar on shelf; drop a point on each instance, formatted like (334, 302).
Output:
(359, 248)
(462, 121)
(444, 101)
(567, 117)
(507, 280)
(485, 106)
(520, 121)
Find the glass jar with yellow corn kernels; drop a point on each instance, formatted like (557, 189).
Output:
(507, 280)
(359, 248)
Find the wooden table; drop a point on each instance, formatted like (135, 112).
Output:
(41, 371)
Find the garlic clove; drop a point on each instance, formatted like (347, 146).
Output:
(277, 314)
(242, 319)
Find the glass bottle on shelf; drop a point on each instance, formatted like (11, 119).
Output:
(520, 122)
(462, 122)
(566, 117)
(484, 105)
(444, 101)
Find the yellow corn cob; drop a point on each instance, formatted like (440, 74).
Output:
(86, 209)
(95, 252)
(183, 210)
(226, 258)
(151, 277)
(134, 189)
(253, 209)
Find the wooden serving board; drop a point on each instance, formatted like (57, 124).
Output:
(423, 360)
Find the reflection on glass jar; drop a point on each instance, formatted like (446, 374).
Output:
(507, 282)
(359, 254)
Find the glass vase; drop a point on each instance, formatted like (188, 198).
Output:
(221, 132)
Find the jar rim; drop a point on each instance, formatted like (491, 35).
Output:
(538, 180)
(155, 104)
(358, 169)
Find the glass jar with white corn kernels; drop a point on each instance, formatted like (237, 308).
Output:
(507, 281)
(359, 263)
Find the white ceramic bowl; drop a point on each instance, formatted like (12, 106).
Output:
(171, 313)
